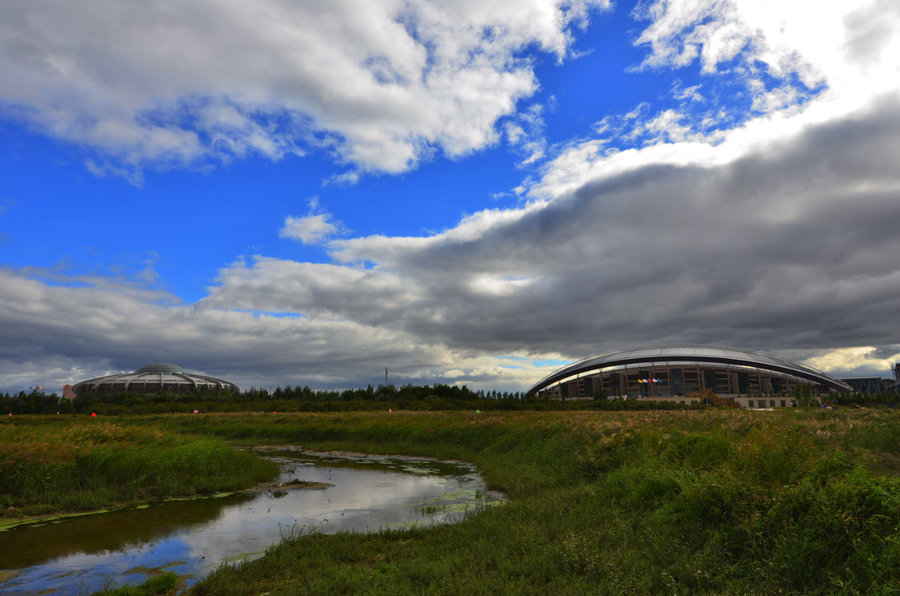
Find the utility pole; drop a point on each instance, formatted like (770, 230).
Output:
(385, 376)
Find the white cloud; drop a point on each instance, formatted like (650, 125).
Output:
(381, 83)
(691, 93)
(779, 41)
(313, 228)
(848, 46)
(716, 31)
(310, 229)
(858, 361)
(526, 132)
(667, 126)
(800, 72)
(497, 285)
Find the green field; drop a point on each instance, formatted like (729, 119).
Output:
(692, 501)
(56, 464)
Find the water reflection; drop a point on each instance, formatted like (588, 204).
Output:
(82, 554)
(120, 530)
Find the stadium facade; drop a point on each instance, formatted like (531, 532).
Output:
(154, 378)
(687, 373)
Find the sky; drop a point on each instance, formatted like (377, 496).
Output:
(466, 192)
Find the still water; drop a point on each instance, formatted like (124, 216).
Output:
(363, 493)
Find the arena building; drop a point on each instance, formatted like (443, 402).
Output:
(154, 378)
(687, 374)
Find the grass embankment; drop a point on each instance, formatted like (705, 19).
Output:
(652, 502)
(52, 465)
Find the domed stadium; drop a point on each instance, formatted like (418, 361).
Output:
(154, 378)
(687, 373)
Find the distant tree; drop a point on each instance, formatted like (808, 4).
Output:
(804, 394)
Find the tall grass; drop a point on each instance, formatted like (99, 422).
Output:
(650, 502)
(702, 501)
(164, 583)
(66, 465)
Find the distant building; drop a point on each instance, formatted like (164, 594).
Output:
(687, 374)
(871, 385)
(154, 378)
(68, 392)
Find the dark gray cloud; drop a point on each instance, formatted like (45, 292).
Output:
(791, 248)
(52, 334)
(794, 246)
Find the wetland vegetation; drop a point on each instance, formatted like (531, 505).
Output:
(54, 465)
(684, 501)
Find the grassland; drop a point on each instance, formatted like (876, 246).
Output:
(702, 501)
(54, 465)
(611, 502)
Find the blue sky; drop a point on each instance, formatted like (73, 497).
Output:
(307, 194)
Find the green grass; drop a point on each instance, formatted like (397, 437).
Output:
(676, 502)
(50, 465)
(165, 583)
(638, 503)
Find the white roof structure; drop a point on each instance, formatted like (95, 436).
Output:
(154, 378)
(691, 354)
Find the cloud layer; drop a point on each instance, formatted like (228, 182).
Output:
(779, 233)
(381, 84)
(792, 248)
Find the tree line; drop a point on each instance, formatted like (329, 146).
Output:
(304, 399)
(384, 397)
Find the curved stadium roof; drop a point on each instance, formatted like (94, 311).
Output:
(154, 378)
(691, 353)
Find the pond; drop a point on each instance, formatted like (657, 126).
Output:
(79, 555)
